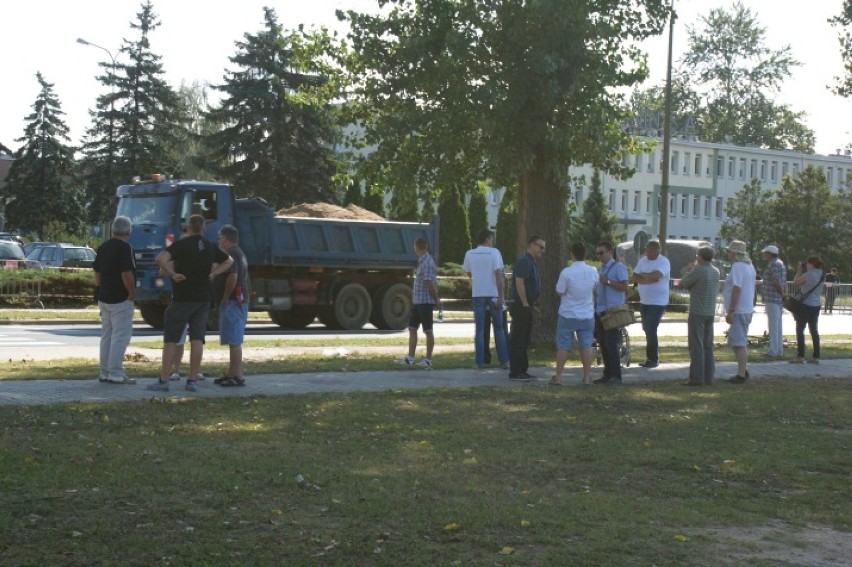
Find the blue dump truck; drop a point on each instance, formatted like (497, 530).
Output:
(344, 272)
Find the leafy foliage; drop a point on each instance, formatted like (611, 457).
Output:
(748, 212)
(454, 233)
(477, 213)
(844, 21)
(42, 185)
(278, 127)
(596, 222)
(507, 229)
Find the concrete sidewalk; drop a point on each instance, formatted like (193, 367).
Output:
(39, 392)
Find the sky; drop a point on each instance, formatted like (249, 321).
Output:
(196, 38)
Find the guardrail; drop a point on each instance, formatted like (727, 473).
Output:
(27, 290)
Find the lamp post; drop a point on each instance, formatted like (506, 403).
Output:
(111, 128)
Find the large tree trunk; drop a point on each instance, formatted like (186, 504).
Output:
(542, 211)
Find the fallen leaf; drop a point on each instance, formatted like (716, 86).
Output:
(696, 468)
(680, 537)
(507, 550)
(525, 523)
(452, 527)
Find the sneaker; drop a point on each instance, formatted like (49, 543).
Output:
(123, 380)
(520, 378)
(649, 364)
(200, 377)
(505, 366)
(175, 377)
(425, 363)
(407, 361)
(797, 360)
(233, 381)
(103, 379)
(158, 386)
(191, 386)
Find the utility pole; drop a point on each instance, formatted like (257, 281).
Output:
(667, 134)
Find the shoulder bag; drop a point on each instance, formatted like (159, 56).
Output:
(618, 316)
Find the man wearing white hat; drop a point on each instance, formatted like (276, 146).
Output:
(738, 295)
(772, 287)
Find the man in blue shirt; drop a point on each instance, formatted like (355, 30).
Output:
(609, 292)
(526, 289)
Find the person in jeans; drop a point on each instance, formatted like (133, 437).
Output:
(232, 290)
(484, 266)
(809, 280)
(424, 297)
(738, 296)
(115, 278)
(652, 274)
(703, 285)
(609, 292)
(772, 287)
(526, 289)
(576, 289)
(189, 262)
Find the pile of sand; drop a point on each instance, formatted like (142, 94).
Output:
(326, 211)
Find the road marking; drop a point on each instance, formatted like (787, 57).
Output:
(5, 343)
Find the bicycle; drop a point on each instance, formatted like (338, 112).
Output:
(624, 351)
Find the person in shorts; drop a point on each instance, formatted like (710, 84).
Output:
(179, 348)
(738, 296)
(576, 288)
(232, 290)
(424, 297)
(189, 262)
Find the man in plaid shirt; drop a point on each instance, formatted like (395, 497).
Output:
(774, 280)
(424, 297)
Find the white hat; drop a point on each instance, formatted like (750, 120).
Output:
(772, 249)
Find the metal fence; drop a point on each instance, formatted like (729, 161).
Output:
(27, 290)
(835, 299)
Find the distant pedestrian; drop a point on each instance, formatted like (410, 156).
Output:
(484, 265)
(772, 287)
(576, 289)
(526, 289)
(609, 293)
(231, 289)
(832, 280)
(702, 281)
(738, 295)
(115, 278)
(652, 274)
(809, 280)
(189, 262)
(424, 298)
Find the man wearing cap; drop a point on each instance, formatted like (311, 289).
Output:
(772, 287)
(738, 296)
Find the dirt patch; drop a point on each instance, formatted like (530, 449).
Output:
(326, 211)
(811, 546)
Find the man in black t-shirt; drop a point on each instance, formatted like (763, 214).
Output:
(189, 262)
(115, 278)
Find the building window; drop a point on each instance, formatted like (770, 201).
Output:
(675, 160)
(732, 162)
(829, 177)
(671, 205)
(752, 171)
(684, 205)
(719, 207)
(696, 206)
(742, 170)
(773, 171)
(637, 198)
(624, 200)
(763, 170)
(612, 200)
(785, 169)
(578, 196)
(709, 164)
(639, 162)
(648, 202)
(795, 169)
(697, 165)
(720, 166)
(687, 157)
(707, 207)
(651, 157)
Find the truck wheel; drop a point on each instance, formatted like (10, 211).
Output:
(352, 306)
(392, 308)
(326, 316)
(153, 314)
(298, 317)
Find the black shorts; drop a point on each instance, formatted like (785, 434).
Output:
(178, 315)
(421, 315)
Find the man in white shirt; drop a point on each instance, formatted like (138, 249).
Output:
(575, 287)
(652, 273)
(738, 295)
(484, 265)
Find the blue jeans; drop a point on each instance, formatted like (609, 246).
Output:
(116, 330)
(481, 306)
(651, 317)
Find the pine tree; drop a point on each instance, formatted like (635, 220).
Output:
(41, 186)
(477, 211)
(596, 223)
(278, 126)
(374, 200)
(507, 230)
(453, 234)
(134, 130)
(353, 193)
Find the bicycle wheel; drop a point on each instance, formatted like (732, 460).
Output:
(624, 347)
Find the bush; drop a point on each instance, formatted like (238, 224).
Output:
(60, 287)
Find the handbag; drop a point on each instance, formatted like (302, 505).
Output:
(794, 303)
(617, 317)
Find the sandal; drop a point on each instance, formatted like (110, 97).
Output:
(222, 378)
(233, 381)
(554, 381)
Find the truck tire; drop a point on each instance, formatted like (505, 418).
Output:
(298, 317)
(352, 306)
(153, 314)
(392, 307)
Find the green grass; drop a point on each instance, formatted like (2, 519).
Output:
(569, 476)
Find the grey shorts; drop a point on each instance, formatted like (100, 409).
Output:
(738, 331)
(178, 315)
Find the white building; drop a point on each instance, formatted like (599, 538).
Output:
(702, 177)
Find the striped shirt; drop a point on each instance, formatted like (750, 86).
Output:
(703, 285)
(773, 274)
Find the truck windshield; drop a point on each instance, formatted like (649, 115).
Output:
(153, 209)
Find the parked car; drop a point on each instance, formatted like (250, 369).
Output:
(12, 256)
(10, 237)
(61, 254)
(30, 246)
